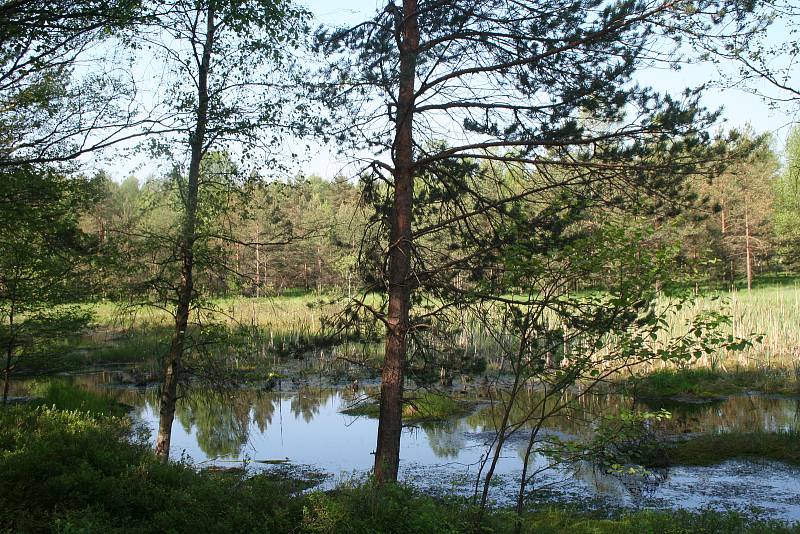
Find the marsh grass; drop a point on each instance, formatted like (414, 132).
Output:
(710, 449)
(428, 406)
(69, 397)
(769, 310)
(98, 348)
(298, 326)
(707, 383)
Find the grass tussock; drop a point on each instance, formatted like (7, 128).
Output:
(705, 383)
(67, 397)
(425, 407)
(710, 449)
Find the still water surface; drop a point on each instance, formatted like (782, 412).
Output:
(306, 427)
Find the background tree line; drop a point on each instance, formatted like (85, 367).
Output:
(273, 238)
(305, 234)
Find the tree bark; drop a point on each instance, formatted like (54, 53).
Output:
(390, 424)
(258, 262)
(9, 356)
(172, 362)
(748, 249)
(319, 270)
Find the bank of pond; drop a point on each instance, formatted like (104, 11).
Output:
(298, 461)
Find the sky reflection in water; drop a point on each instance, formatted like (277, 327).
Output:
(307, 428)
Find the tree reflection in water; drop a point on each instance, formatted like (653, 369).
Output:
(741, 413)
(223, 420)
(446, 438)
(307, 401)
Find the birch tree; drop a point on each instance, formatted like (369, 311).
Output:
(224, 89)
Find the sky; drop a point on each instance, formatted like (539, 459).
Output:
(739, 107)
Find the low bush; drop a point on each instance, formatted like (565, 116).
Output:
(76, 471)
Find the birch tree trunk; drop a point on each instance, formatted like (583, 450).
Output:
(172, 362)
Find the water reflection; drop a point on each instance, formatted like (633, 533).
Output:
(222, 422)
(746, 413)
(308, 428)
(446, 438)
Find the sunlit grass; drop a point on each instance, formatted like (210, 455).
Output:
(704, 382)
(64, 396)
(771, 311)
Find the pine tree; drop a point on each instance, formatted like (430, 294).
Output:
(504, 115)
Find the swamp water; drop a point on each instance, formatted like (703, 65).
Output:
(306, 428)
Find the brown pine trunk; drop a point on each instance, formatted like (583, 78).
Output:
(258, 263)
(9, 356)
(390, 424)
(748, 249)
(172, 362)
(319, 270)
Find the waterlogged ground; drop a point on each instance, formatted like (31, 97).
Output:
(306, 427)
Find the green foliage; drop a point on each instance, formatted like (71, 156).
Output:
(49, 110)
(390, 508)
(556, 521)
(622, 444)
(787, 209)
(43, 257)
(70, 471)
(627, 440)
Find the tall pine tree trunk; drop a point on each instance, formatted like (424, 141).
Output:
(390, 425)
(172, 362)
(9, 356)
(258, 261)
(748, 248)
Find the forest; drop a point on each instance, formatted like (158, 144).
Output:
(402, 266)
